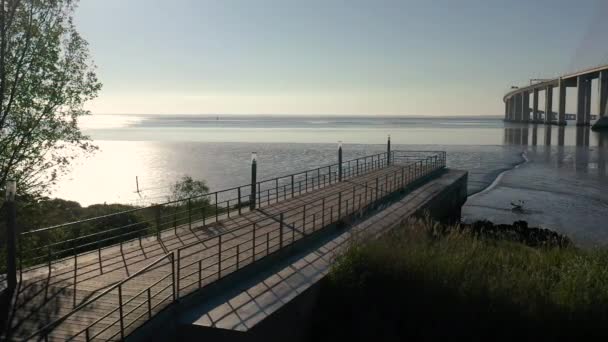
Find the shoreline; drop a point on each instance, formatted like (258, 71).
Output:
(499, 176)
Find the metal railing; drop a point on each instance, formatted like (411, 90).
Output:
(94, 234)
(198, 264)
(132, 305)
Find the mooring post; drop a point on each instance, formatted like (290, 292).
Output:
(388, 151)
(11, 234)
(254, 172)
(340, 161)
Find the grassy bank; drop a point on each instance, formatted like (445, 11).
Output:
(426, 281)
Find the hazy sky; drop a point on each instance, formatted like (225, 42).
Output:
(427, 57)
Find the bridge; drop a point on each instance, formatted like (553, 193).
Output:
(105, 277)
(517, 101)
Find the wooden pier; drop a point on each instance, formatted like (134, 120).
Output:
(107, 293)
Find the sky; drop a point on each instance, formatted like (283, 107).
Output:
(330, 57)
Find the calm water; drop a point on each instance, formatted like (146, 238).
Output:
(565, 165)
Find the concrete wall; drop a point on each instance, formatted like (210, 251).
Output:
(441, 198)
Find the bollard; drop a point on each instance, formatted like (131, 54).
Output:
(254, 170)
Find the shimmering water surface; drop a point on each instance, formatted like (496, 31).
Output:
(564, 183)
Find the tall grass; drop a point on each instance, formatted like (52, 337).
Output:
(426, 281)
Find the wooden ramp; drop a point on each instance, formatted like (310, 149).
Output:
(107, 294)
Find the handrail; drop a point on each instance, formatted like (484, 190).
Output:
(100, 295)
(206, 213)
(184, 199)
(433, 162)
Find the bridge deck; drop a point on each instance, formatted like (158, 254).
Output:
(48, 294)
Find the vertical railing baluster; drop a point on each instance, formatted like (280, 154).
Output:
(239, 201)
(377, 188)
(219, 256)
(323, 212)
(238, 256)
(259, 195)
(76, 274)
(267, 243)
(281, 230)
(354, 195)
(253, 242)
(200, 273)
(120, 313)
(304, 220)
(189, 214)
(172, 260)
(177, 278)
(216, 209)
(339, 204)
(149, 303)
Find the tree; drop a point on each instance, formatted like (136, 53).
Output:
(46, 77)
(187, 187)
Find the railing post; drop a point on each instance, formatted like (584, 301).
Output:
(172, 258)
(157, 209)
(323, 212)
(219, 257)
(238, 256)
(149, 303)
(178, 271)
(293, 189)
(304, 220)
(120, 313)
(388, 151)
(239, 202)
(216, 208)
(253, 244)
(281, 230)
(75, 275)
(377, 187)
(190, 214)
(339, 161)
(318, 178)
(200, 273)
(50, 258)
(267, 243)
(339, 204)
(254, 170)
(276, 183)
